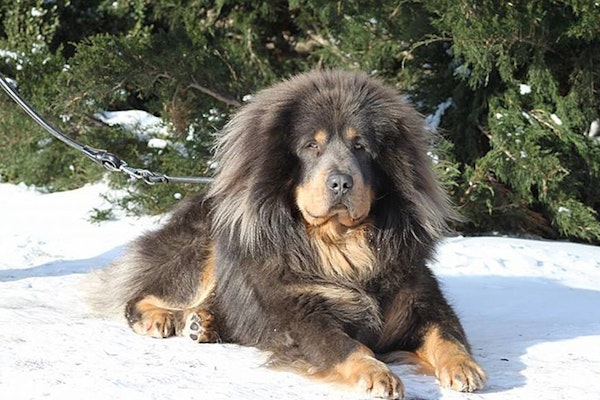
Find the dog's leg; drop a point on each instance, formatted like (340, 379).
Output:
(151, 316)
(320, 350)
(429, 328)
(452, 362)
(162, 317)
(361, 370)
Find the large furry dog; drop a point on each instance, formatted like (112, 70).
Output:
(311, 244)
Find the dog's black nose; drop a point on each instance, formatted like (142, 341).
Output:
(339, 183)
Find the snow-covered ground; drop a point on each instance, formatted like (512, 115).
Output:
(531, 308)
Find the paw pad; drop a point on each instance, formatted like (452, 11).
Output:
(199, 328)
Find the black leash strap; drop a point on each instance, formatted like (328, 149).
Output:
(101, 157)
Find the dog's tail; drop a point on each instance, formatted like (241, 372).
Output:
(109, 289)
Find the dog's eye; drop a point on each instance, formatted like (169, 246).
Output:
(359, 146)
(312, 145)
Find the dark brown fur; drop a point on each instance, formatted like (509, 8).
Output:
(312, 242)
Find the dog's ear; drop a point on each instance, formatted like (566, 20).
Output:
(255, 175)
(406, 162)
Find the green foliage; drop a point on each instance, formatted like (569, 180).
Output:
(101, 215)
(527, 77)
(522, 77)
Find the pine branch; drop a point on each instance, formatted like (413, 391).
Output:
(217, 96)
(331, 46)
(489, 136)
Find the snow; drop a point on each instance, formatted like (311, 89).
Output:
(36, 12)
(145, 127)
(565, 210)
(8, 55)
(594, 131)
(524, 89)
(556, 119)
(432, 121)
(156, 143)
(531, 309)
(143, 124)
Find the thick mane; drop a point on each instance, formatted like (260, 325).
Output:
(256, 169)
(412, 200)
(253, 186)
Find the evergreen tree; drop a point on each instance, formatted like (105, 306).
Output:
(513, 85)
(526, 91)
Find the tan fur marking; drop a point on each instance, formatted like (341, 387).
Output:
(343, 251)
(312, 200)
(321, 137)
(351, 133)
(351, 303)
(333, 292)
(361, 203)
(157, 321)
(206, 287)
(453, 365)
(364, 373)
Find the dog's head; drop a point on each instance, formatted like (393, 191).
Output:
(324, 147)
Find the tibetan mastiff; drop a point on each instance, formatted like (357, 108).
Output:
(311, 244)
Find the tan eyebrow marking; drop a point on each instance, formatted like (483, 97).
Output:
(320, 137)
(351, 133)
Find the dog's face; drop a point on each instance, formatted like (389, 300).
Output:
(330, 149)
(335, 183)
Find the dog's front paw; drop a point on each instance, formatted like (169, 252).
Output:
(460, 372)
(199, 326)
(378, 381)
(369, 375)
(451, 360)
